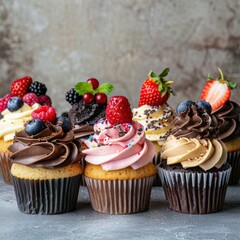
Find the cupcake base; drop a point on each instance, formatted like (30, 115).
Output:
(51, 196)
(233, 159)
(120, 196)
(195, 192)
(5, 167)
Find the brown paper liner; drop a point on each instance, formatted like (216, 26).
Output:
(5, 167)
(120, 196)
(195, 193)
(233, 159)
(46, 196)
(156, 161)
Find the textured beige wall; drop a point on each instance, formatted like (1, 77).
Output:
(61, 42)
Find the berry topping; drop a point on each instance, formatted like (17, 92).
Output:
(155, 90)
(64, 122)
(45, 100)
(20, 86)
(45, 113)
(88, 97)
(72, 96)
(38, 88)
(217, 91)
(118, 110)
(4, 101)
(14, 104)
(101, 98)
(34, 126)
(204, 105)
(183, 106)
(30, 99)
(94, 82)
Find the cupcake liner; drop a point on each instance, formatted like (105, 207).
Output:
(83, 164)
(51, 196)
(233, 159)
(120, 196)
(5, 167)
(195, 193)
(156, 161)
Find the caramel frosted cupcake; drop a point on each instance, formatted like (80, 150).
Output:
(119, 173)
(194, 172)
(46, 171)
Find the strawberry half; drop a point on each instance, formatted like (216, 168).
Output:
(118, 110)
(21, 86)
(155, 90)
(217, 91)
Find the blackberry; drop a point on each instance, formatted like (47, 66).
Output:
(72, 96)
(38, 88)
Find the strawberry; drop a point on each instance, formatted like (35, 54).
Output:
(21, 86)
(45, 113)
(217, 91)
(118, 110)
(155, 90)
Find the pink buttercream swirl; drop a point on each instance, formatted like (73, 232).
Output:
(119, 146)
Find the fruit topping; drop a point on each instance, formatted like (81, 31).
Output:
(45, 100)
(14, 103)
(38, 88)
(183, 106)
(118, 110)
(20, 86)
(217, 91)
(64, 123)
(34, 126)
(45, 113)
(4, 101)
(72, 96)
(30, 99)
(94, 82)
(155, 90)
(88, 97)
(204, 105)
(101, 98)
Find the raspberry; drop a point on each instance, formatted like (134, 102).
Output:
(118, 110)
(4, 101)
(45, 113)
(45, 100)
(72, 96)
(38, 88)
(21, 86)
(30, 99)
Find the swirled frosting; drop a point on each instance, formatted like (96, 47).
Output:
(83, 131)
(157, 121)
(119, 146)
(14, 121)
(228, 120)
(195, 123)
(51, 148)
(203, 153)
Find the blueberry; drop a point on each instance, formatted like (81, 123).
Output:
(204, 105)
(34, 126)
(14, 103)
(64, 122)
(182, 107)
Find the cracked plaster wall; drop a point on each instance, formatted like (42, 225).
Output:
(61, 42)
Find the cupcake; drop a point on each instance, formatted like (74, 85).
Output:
(16, 108)
(194, 172)
(217, 92)
(46, 170)
(119, 172)
(154, 113)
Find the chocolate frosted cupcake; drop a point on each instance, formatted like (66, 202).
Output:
(194, 172)
(46, 171)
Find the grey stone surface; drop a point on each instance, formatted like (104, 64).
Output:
(61, 42)
(84, 223)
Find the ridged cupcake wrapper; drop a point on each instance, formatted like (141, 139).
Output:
(233, 159)
(46, 196)
(5, 167)
(156, 161)
(120, 196)
(195, 193)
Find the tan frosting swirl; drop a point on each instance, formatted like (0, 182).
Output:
(205, 153)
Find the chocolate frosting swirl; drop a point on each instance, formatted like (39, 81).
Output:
(51, 148)
(228, 120)
(83, 131)
(195, 123)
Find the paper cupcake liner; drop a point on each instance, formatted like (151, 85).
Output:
(156, 161)
(83, 164)
(120, 196)
(46, 196)
(5, 167)
(195, 193)
(233, 159)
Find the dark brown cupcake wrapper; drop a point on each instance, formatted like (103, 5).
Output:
(156, 161)
(233, 159)
(195, 193)
(46, 196)
(120, 196)
(5, 167)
